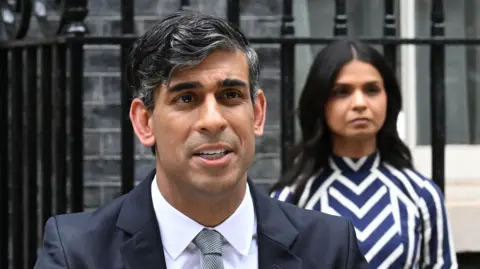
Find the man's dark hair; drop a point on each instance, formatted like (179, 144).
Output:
(182, 39)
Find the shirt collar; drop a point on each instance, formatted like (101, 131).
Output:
(177, 230)
(241, 227)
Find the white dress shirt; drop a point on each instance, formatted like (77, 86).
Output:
(240, 248)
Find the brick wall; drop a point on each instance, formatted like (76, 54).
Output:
(102, 91)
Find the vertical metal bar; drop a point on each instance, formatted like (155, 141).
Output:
(25, 7)
(340, 20)
(128, 149)
(437, 95)
(60, 159)
(233, 12)
(73, 24)
(30, 206)
(127, 11)
(127, 138)
(17, 160)
(4, 158)
(287, 81)
(46, 144)
(76, 126)
(390, 30)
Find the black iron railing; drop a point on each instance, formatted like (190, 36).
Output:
(60, 95)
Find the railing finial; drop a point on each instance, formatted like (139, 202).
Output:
(389, 31)
(73, 18)
(340, 21)
(438, 18)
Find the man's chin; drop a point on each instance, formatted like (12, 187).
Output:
(216, 186)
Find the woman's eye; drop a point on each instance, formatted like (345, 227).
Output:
(372, 90)
(340, 92)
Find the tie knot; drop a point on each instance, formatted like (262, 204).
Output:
(209, 242)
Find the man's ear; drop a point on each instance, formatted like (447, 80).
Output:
(259, 111)
(142, 125)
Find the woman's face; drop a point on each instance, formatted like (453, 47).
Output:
(357, 106)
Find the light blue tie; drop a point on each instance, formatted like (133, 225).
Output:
(210, 244)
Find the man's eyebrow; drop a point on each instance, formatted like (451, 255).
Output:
(187, 85)
(232, 82)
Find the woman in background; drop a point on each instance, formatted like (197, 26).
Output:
(352, 163)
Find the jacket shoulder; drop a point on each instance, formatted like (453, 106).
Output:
(85, 221)
(75, 240)
(80, 232)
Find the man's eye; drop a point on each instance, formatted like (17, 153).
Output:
(231, 94)
(186, 98)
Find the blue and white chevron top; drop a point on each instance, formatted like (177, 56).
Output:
(399, 216)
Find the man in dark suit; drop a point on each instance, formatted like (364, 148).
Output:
(198, 104)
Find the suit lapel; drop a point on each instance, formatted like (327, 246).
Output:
(143, 251)
(276, 234)
(143, 247)
(275, 256)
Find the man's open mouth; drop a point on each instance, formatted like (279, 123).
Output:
(212, 154)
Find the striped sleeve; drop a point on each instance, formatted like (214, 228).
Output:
(438, 249)
(284, 194)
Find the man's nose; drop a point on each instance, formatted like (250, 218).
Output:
(211, 118)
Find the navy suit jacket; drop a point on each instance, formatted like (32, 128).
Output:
(124, 234)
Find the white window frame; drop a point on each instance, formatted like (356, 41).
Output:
(462, 162)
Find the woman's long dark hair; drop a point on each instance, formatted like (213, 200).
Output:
(312, 153)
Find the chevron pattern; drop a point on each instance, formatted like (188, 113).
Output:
(387, 208)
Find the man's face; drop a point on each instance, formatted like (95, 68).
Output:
(204, 125)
